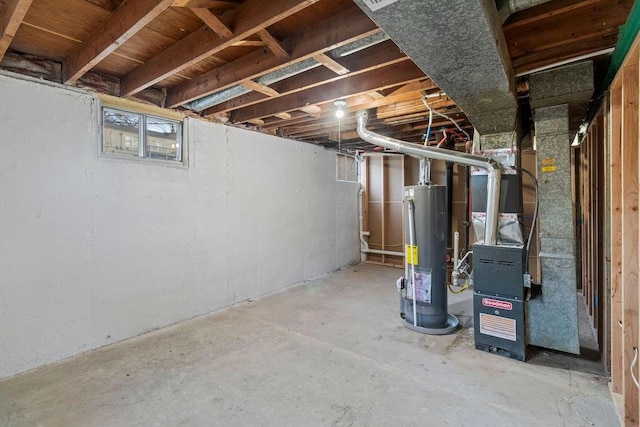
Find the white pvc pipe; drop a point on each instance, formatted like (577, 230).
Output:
(413, 262)
(456, 249)
(364, 245)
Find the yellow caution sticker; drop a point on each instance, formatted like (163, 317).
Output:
(411, 254)
(551, 168)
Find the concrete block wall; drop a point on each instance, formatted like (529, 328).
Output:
(95, 250)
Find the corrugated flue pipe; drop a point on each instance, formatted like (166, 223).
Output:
(493, 167)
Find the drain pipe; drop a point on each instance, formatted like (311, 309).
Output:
(492, 166)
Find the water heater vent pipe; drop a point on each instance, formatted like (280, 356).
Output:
(492, 166)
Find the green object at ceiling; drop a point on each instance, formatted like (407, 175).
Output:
(626, 36)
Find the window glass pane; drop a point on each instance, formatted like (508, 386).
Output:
(120, 132)
(163, 139)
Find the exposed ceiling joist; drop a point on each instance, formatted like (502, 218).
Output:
(255, 58)
(404, 92)
(123, 23)
(339, 30)
(392, 75)
(12, 14)
(250, 17)
(383, 54)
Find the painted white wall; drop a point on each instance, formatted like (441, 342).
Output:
(95, 250)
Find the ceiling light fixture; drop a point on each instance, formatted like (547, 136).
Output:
(340, 103)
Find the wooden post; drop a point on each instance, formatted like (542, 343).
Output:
(630, 236)
(615, 171)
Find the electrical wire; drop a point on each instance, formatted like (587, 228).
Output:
(428, 132)
(424, 101)
(633, 365)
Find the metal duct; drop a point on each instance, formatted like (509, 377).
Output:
(508, 7)
(493, 167)
(460, 45)
(358, 45)
(285, 72)
(217, 98)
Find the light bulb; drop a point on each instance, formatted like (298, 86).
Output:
(339, 114)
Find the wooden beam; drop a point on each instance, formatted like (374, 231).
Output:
(123, 23)
(212, 21)
(258, 87)
(392, 75)
(337, 30)
(615, 170)
(272, 44)
(368, 59)
(331, 64)
(532, 15)
(12, 13)
(365, 102)
(630, 96)
(250, 17)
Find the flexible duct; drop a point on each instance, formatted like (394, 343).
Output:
(493, 167)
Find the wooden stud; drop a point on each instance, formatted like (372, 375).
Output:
(129, 18)
(630, 97)
(12, 14)
(331, 64)
(272, 44)
(212, 21)
(340, 29)
(250, 17)
(615, 171)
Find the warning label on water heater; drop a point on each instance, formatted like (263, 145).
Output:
(411, 252)
(499, 327)
(422, 280)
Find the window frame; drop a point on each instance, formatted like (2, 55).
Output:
(143, 111)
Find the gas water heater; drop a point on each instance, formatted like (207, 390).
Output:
(423, 289)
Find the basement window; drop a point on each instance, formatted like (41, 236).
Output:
(127, 133)
(346, 168)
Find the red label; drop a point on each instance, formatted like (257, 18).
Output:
(494, 303)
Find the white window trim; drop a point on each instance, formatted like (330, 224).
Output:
(144, 110)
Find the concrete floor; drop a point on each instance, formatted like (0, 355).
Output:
(330, 351)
